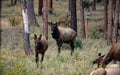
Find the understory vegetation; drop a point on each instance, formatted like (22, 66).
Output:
(13, 60)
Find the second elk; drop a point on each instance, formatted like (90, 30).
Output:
(62, 35)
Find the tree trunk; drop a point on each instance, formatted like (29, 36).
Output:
(73, 15)
(45, 18)
(110, 16)
(82, 19)
(50, 6)
(13, 2)
(31, 13)
(0, 23)
(105, 18)
(94, 4)
(40, 6)
(27, 47)
(116, 21)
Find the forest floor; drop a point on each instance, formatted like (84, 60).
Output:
(12, 57)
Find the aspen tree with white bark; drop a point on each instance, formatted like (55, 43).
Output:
(27, 47)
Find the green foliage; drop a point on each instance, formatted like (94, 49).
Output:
(97, 32)
(78, 43)
(94, 33)
(87, 3)
(14, 20)
(64, 17)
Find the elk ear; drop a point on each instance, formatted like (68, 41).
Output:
(50, 23)
(35, 36)
(40, 36)
(99, 54)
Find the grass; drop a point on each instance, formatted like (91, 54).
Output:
(12, 57)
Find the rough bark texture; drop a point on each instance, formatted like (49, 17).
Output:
(40, 6)
(31, 13)
(105, 18)
(116, 21)
(110, 16)
(27, 47)
(73, 15)
(45, 18)
(50, 6)
(82, 20)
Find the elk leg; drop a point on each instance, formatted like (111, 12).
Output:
(72, 47)
(59, 46)
(42, 57)
(37, 58)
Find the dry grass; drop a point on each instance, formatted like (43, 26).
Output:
(14, 62)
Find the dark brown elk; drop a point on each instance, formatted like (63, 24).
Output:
(41, 45)
(113, 54)
(62, 35)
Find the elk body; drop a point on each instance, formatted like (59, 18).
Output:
(113, 69)
(41, 45)
(62, 35)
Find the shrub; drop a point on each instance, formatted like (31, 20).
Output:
(14, 20)
(97, 32)
(78, 43)
(64, 17)
(94, 34)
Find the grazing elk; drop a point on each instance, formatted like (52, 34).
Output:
(98, 59)
(41, 45)
(62, 35)
(113, 54)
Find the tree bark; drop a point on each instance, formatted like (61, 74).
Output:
(0, 21)
(116, 21)
(45, 18)
(110, 17)
(82, 19)
(31, 13)
(73, 15)
(94, 4)
(27, 47)
(13, 2)
(50, 6)
(105, 18)
(40, 6)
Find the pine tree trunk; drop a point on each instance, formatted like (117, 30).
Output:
(27, 47)
(82, 20)
(116, 21)
(13, 2)
(31, 13)
(40, 6)
(73, 15)
(50, 6)
(110, 16)
(0, 23)
(94, 4)
(105, 18)
(45, 18)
